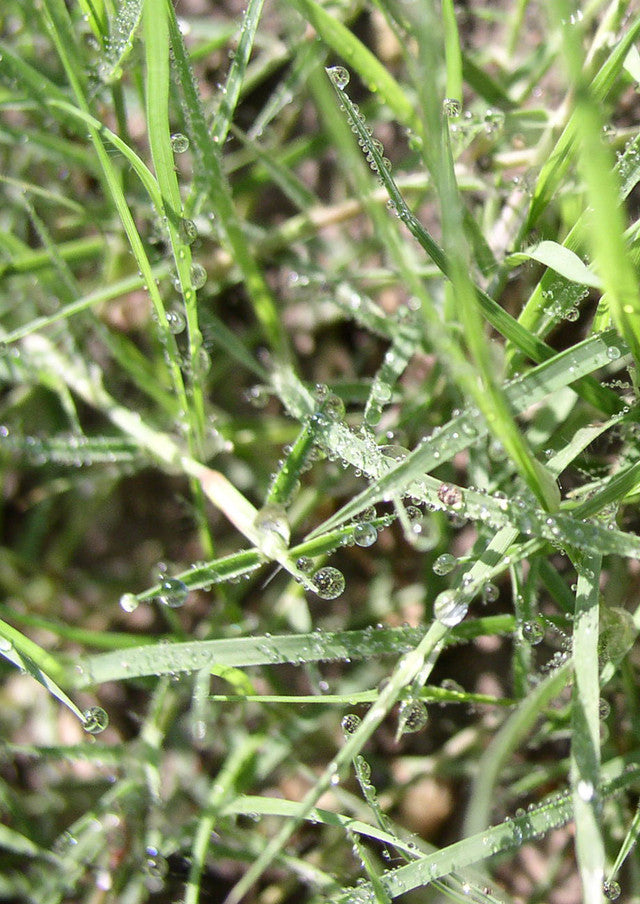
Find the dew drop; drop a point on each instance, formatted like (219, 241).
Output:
(94, 720)
(129, 602)
(350, 723)
(450, 607)
(333, 407)
(273, 524)
(450, 495)
(304, 564)
(198, 276)
(611, 890)
(173, 593)
(412, 717)
(533, 632)
(176, 321)
(444, 564)
(338, 75)
(365, 534)
(329, 582)
(613, 352)
(188, 231)
(451, 107)
(490, 593)
(179, 143)
(585, 790)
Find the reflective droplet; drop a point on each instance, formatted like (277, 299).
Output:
(333, 407)
(365, 534)
(412, 716)
(338, 75)
(304, 564)
(176, 321)
(156, 868)
(329, 582)
(129, 602)
(585, 790)
(611, 890)
(450, 607)
(450, 495)
(451, 107)
(198, 276)
(613, 352)
(173, 593)
(490, 593)
(604, 708)
(572, 314)
(444, 564)
(273, 524)
(188, 231)
(533, 632)
(94, 720)
(350, 723)
(179, 143)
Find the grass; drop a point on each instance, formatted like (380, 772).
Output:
(320, 472)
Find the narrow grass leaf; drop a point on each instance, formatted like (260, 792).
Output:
(585, 737)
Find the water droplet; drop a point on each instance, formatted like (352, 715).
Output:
(198, 276)
(450, 495)
(329, 582)
(365, 534)
(611, 890)
(450, 607)
(451, 107)
(156, 868)
(188, 231)
(412, 716)
(176, 321)
(333, 407)
(129, 602)
(350, 723)
(613, 352)
(273, 524)
(490, 593)
(533, 632)
(304, 564)
(367, 514)
(585, 790)
(94, 720)
(604, 708)
(173, 593)
(179, 143)
(338, 75)
(444, 564)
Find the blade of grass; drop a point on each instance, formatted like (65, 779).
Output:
(585, 736)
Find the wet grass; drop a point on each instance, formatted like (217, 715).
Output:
(320, 471)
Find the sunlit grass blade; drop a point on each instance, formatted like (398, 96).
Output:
(585, 741)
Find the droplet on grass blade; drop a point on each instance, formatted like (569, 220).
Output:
(173, 593)
(444, 564)
(129, 602)
(179, 143)
(198, 276)
(350, 723)
(338, 75)
(412, 717)
(94, 720)
(450, 607)
(329, 582)
(365, 534)
(611, 890)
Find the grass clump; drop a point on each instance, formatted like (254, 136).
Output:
(320, 471)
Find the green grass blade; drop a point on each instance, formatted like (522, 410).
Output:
(585, 740)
